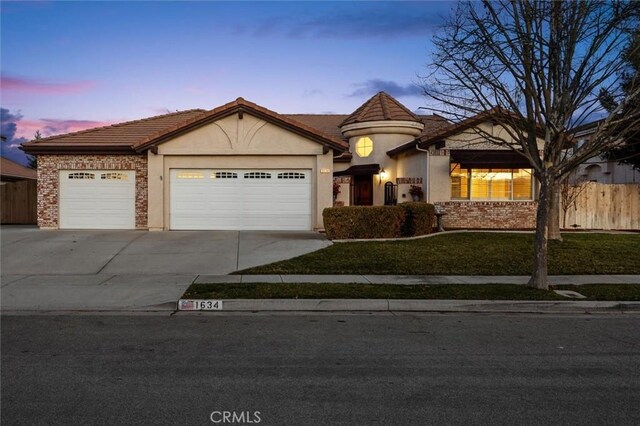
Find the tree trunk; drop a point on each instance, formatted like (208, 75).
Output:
(539, 276)
(554, 214)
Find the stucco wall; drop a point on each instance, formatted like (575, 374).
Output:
(233, 143)
(488, 214)
(49, 167)
(382, 142)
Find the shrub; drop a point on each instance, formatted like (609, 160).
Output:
(403, 220)
(363, 222)
(419, 218)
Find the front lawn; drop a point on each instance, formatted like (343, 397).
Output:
(472, 253)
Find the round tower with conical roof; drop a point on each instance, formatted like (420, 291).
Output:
(379, 125)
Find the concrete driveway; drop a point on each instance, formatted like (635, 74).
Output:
(55, 270)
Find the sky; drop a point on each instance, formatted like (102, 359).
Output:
(67, 66)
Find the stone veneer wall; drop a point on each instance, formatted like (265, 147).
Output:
(49, 167)
(488, 214)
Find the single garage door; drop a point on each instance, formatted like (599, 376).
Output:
(97, 199)
(240, 199)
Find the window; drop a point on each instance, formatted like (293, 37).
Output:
(291, 175)
(114, 176)
(491, 184)
(224, 175)
(257, 175)
(82, 175)
(364, 147)
(190, 175)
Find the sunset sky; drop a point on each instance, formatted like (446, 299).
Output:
(67, 66)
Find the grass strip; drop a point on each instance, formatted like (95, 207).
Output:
(367, 291)
(606, 292)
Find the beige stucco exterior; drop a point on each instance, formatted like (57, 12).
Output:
(385, 136)
(238, 143)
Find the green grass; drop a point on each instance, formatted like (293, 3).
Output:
(473, 253)
(628, 292)
(367, 291)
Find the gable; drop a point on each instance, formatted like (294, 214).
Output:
(233, 135)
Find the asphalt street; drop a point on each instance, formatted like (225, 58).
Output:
(324, 369)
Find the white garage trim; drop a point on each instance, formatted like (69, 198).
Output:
(240, 199)
(97, 199)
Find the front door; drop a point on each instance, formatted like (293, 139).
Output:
(363, 190)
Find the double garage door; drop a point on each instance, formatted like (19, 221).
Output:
(250, 199)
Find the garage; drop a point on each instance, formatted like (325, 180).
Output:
(249, 199)
(97, 199)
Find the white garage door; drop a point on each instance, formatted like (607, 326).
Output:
(97, 199)
(240, 199)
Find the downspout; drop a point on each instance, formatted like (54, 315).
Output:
(428, 192)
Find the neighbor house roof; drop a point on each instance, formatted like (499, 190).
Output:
(11, 169)
(380, 107)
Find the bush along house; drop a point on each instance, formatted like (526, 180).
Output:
(243, 167)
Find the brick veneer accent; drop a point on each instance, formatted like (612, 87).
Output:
(488, 214)
(49, 167)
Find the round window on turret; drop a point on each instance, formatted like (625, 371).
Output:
(364, 146)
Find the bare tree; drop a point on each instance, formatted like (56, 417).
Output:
(569, 193)
(535, 68)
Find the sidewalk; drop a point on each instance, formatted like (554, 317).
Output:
(417, 279)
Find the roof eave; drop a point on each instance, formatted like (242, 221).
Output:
(40, 149)
(145, 145)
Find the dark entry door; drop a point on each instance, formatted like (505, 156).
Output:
(363, 190)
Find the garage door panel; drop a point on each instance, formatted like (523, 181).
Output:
(250, 199)
(88, 201)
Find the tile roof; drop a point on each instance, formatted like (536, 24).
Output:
(327, 123)
(121, 134)
(141, 134)
(12, 169)
(241, 104)
(379, 108)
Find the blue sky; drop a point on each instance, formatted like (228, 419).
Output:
(72, 65)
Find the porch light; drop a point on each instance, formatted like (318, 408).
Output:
(383, 175)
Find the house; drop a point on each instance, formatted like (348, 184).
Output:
(10, 171)
(599, 169)
(17, 193)
(242, 166)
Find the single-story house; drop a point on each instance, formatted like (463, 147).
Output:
(10, 171)
(17, 193)
(242, 166)
(599, 169)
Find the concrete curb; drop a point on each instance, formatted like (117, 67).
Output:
(385, 305)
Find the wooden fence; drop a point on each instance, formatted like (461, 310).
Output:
(18, 202)
(605, 206)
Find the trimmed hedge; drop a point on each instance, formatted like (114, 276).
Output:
(419, 218)
(404, 220)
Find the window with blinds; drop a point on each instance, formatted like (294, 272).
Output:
(491, 184)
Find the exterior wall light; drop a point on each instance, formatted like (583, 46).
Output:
(383, 175)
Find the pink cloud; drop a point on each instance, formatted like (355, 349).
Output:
(51, 126)
(28, 85)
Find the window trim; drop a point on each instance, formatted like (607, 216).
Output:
(469, 179)
(365, 140)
